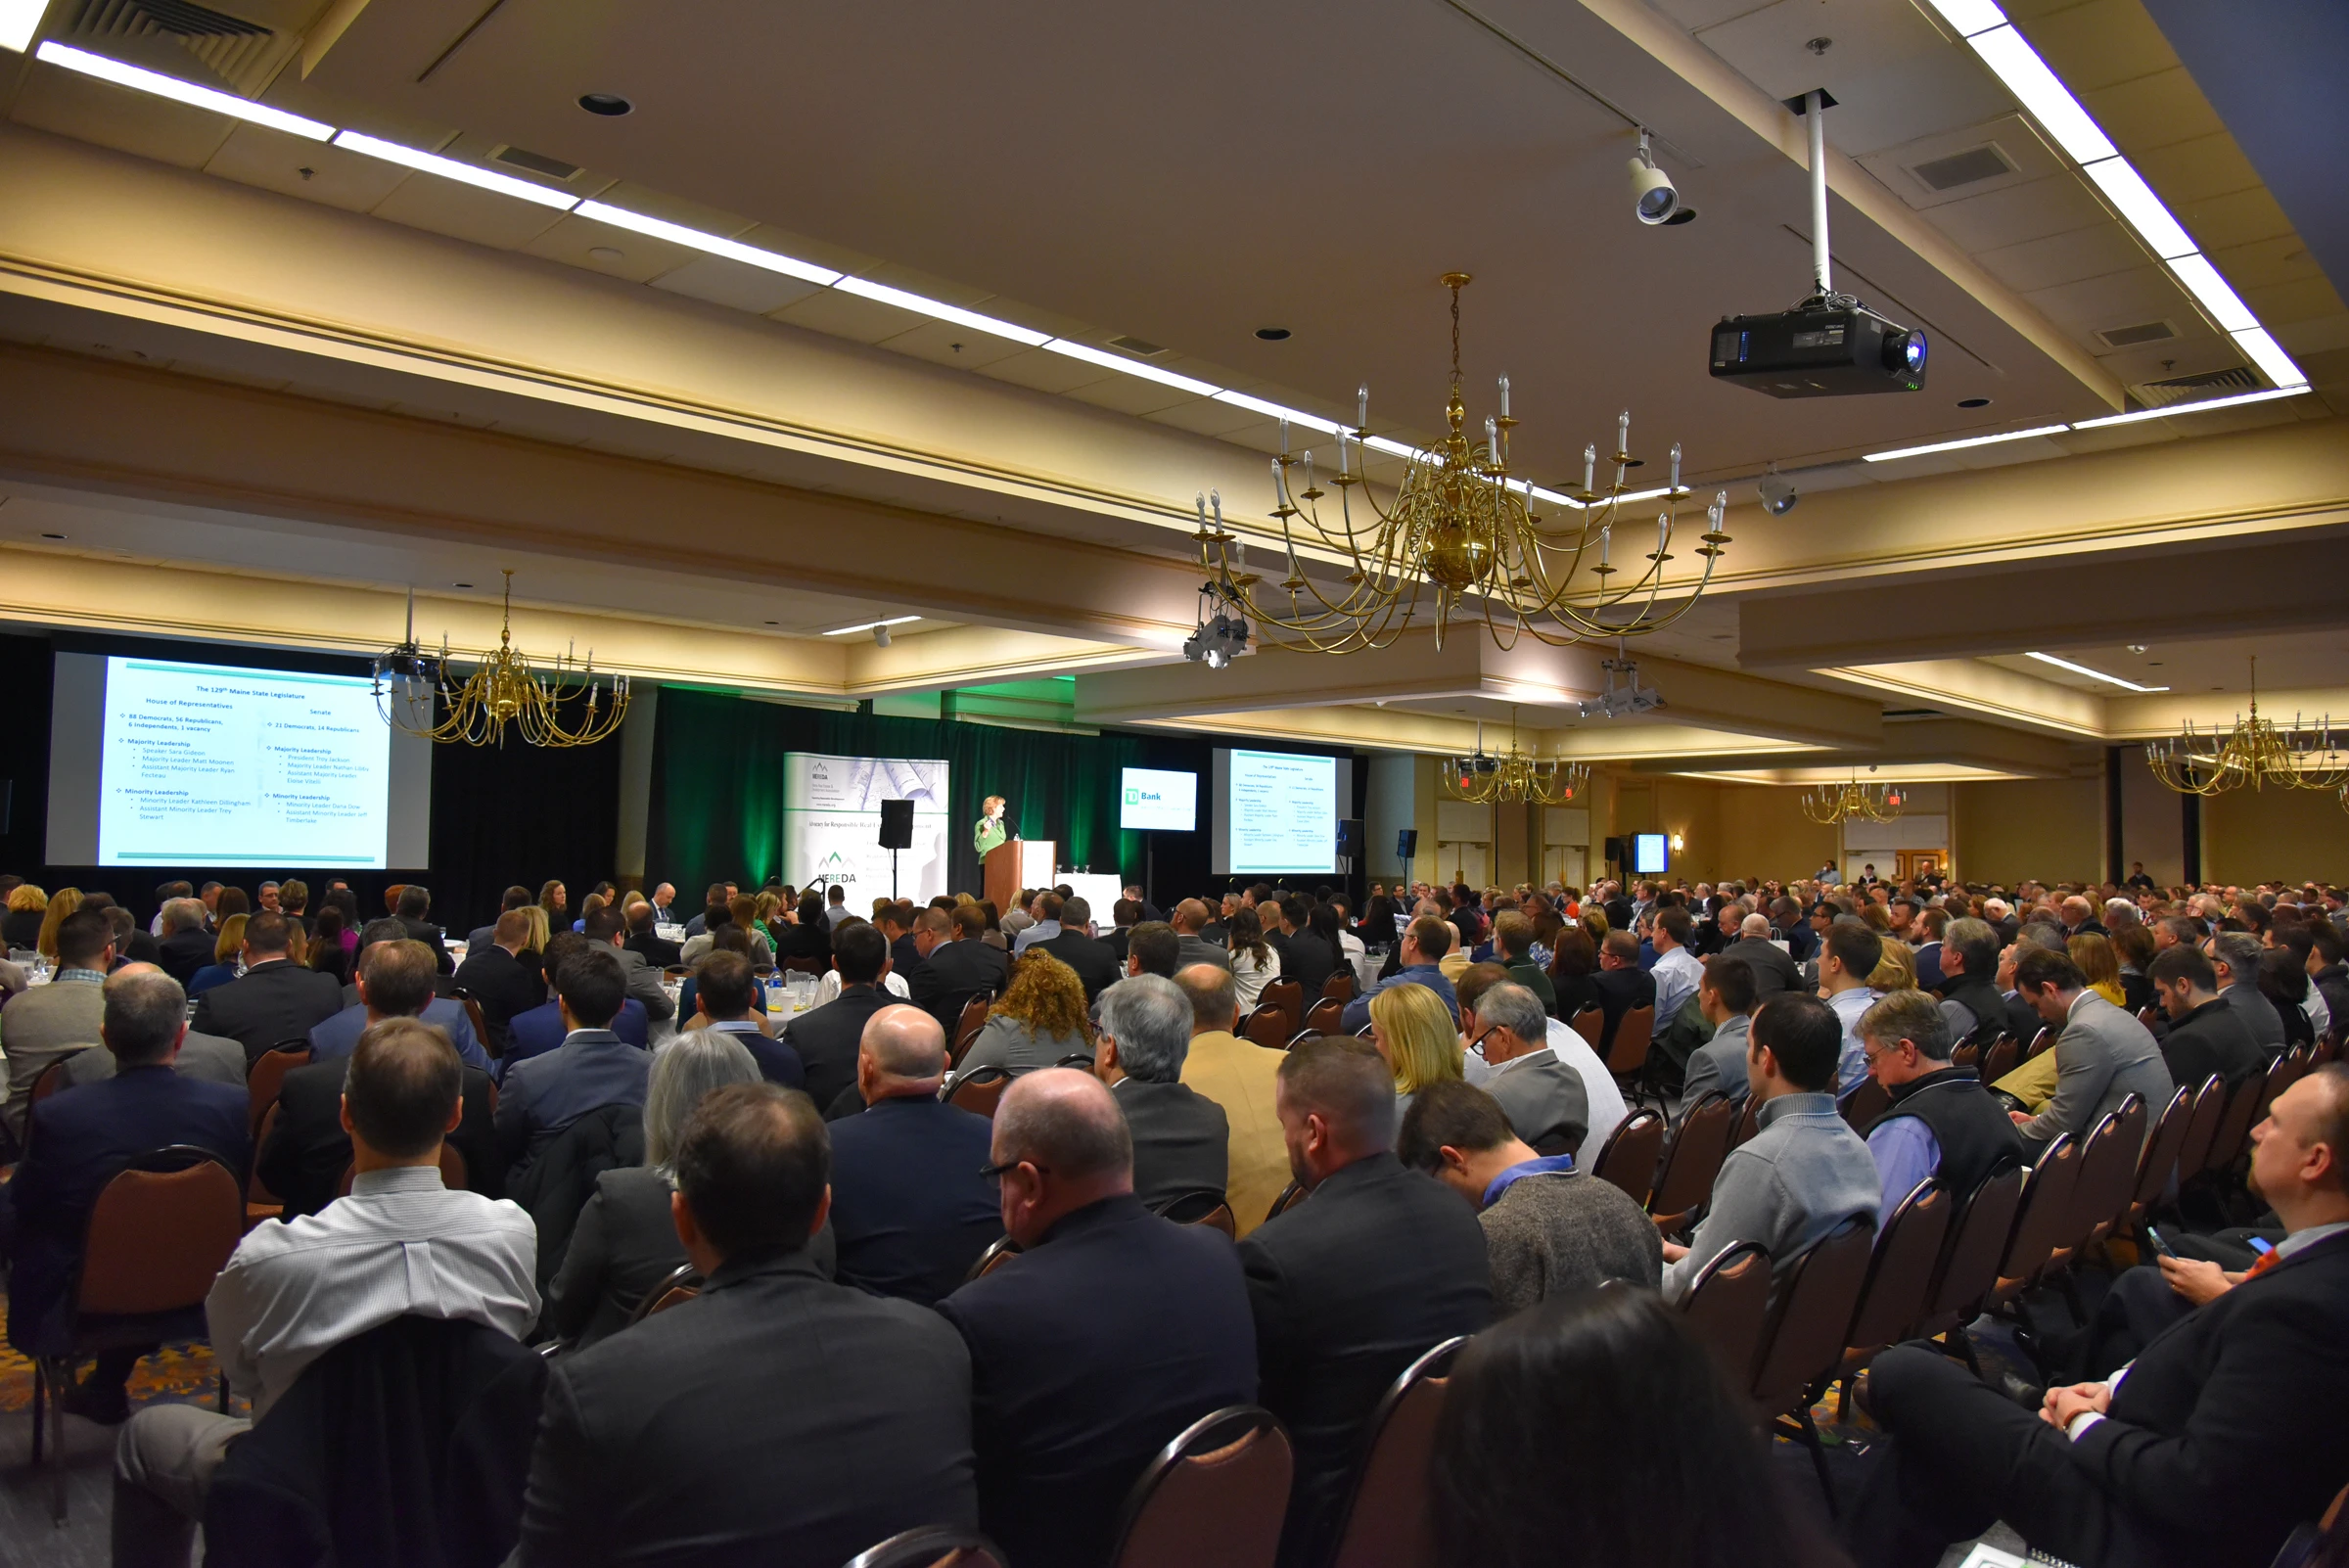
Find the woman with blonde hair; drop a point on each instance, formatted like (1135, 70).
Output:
(225, 949)
(1896, 969)
(1037, 1022)
(539, 930)
(21, 928)
(1415, 1031)
(62, 902)
(2099, 964)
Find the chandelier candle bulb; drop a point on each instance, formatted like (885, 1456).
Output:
(1493, 438)
(1505, 396)
(1215, 499)
(1277, 500)
(1590, 466)
(1606, 536)
(1343, 469)
(1675, 468)
(1622, 432)
(1284, 436)
(1361, 407)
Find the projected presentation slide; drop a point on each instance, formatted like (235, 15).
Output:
(209, 764)
(1283, 813)
(1647, 855)
(1159, 801)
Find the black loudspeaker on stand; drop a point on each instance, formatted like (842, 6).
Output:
(1406, 844)
(897, 833)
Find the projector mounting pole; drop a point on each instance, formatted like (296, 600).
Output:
(1814, 110)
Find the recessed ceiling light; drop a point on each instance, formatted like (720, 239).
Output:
(775, 623)
(610, 104)
(604, 253)
(460, 584)
(1274, 334)
(2093, 675)
(1973, 402)
(2136, 647)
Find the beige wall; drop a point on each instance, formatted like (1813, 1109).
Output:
(2153, 827)
(2290, 834)
(2051, 829)
(1764, 833)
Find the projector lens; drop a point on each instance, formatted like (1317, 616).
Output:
(1905, 351)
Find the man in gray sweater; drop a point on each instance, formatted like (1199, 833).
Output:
(1548, 1229)
(1804, 1173)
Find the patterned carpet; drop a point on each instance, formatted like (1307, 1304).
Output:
(173, 1374)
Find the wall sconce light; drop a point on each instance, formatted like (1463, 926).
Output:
(1679, 844)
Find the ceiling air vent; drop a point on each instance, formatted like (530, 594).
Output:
(2193, 389)
(2143, 333)
(1137, 347)
(1969, 168)
(554, 168)
(1910, 715)
(240, 52)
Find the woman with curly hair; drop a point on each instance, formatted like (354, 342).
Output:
(21, 927)
(1039, 1020)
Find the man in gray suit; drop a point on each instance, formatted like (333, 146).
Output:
(1727, 997)
(215, 1059)
(1189, 919)
(2235, 956)
(1774, 970)
(608, 927)
(1544, 1098)
(2102, 1055)
(1181, 1139)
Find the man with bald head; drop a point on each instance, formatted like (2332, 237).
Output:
(909, 1207)
(1189, 920)
(1774, 970)
(1111, 1332)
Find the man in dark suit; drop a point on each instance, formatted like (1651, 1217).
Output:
(591, 1069)
(1110, 1333)
(1349, 1287)
(396, 978)
(911, 1210)
(1124, 915)
(662, 1444)
(415, 903)
(724, 991)
(957, 964)
(496, 975)
(187, 943)
(826, 1038)
(276, 998)
(608, 928)
(78, 1141)
(2222, 1437)
(1094, 960)
(645, 939)
(517, 896)
(1181, 1139)
(1774, 970)
(899, 922)
(1622, 984)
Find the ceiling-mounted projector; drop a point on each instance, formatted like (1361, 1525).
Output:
(1829, 346)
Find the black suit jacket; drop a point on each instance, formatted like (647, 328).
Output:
(274, 1001)
(183, 952)
(505, 985)
(827, 1039)
(2225, 1433)
(1094, 960)
(1089, 1354)
(1182, 1140)
(1774, 971)
(1308, 960)
(1349, 1289)
(909, 1208)
(777, 1418)
(305, 1156)
(659, 954)
(429, 934)
(954, 971)
(1619, 992)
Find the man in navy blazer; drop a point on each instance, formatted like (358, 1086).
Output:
(1109, 1334)
(591, 1069)
(79, 1141)
(396, 980)
(911, 1209)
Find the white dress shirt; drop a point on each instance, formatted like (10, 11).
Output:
(399, 1245)
(1677, 974)
(827, 989)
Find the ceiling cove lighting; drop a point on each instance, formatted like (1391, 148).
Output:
(867, 625)
(449, 169)
(172, 87)
(1965, 442)
(2269, 395)
(750, 256)
(2092, 674)
(2012, 59)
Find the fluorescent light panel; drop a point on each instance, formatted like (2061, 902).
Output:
(19, 19)
(619, 218)
(1969, 17)
(1131, 367)
(449, 169)
(2012, 59)
(2262, 351)
(2096, 675)
(172, 87)
(867, 625)
(2212, 292)
(2269, 395)
(864, 287)
(1965, 442)
(2133, 199)
(1327, 426)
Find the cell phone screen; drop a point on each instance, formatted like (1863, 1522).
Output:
(2161, 1243)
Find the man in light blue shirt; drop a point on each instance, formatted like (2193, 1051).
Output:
(1676, 970)
(1847, 956)
(1425, 940)
(1046, 910)
(1941, 1122)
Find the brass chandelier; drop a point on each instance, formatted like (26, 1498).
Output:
(504, 689)
(1461, 532)
(2254, 753)
(1832, 805)
(1513, 775)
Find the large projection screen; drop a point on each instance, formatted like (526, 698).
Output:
(1276, 813)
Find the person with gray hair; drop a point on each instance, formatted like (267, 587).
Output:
(1111, 1332)
(625, 1241)
(1181, 1139)
(1942, 1122)
(2235, 956)
(1546, 1101)
(185, 944)
(1978, 1010)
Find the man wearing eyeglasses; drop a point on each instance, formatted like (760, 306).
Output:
(1942, 1122)
(1543, 1097)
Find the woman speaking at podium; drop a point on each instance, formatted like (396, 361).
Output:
(991, 830)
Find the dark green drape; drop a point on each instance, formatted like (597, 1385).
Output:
(717, 785)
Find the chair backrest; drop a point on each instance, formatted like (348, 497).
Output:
(1326, 1016)
(1629, 1053)
(2046, 1210)
(679, 1286)
(967, 1027)
(1803, 1341)
(267, 1074)
(2281, 1074)
(2161, 1155)
(2234, 1128)
(1728, 1305)
(1692, 1159)
(162, 1229)
(1338, 987)
(1285, 994)
(2006, 1055)
(257, 1191)
(1295, 1193)
(1864, 1104)
(2044, 1041)
(1076, 1059)
(2108, 1174)
(2202, 1126)
(51, 1079)
(979, 1089)
(999, 1252)
(1203, 1207)
(1215, 1494)
(1591, 1024)
(1968, 1268)
(1749, 1121)
(1629, 1157)
(1270, 1026)
(932, 1546)
(1386, 1523)
(1900, 1272)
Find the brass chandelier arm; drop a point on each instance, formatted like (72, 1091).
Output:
(503, 689)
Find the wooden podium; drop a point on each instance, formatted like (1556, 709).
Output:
(1013, 864)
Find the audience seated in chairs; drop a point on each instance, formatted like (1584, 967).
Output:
(1942, 1122)
(276, 999)
(1353, 1284)
(1549, 1229)
(210, 1058)
(1040, 1021)
(542, 1029)
(338, 1035)
(2205, 1035)
(910, 1208)
(1623, 987)
(43, 1024)
(624, 1241)
(826, 1037)
(1804, 1172)
(2219, 1438)
(1727, 996)
(958, 965)
(1547, 1102)
(503, 975)
(1181, 1137)
(591, 1069)
(1109, 1334)
(1420, 957)
(774, 1418)
(726, 995)
(2102, 1055)
(80, 1139)
(1243, 1077)
(399, 1245)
